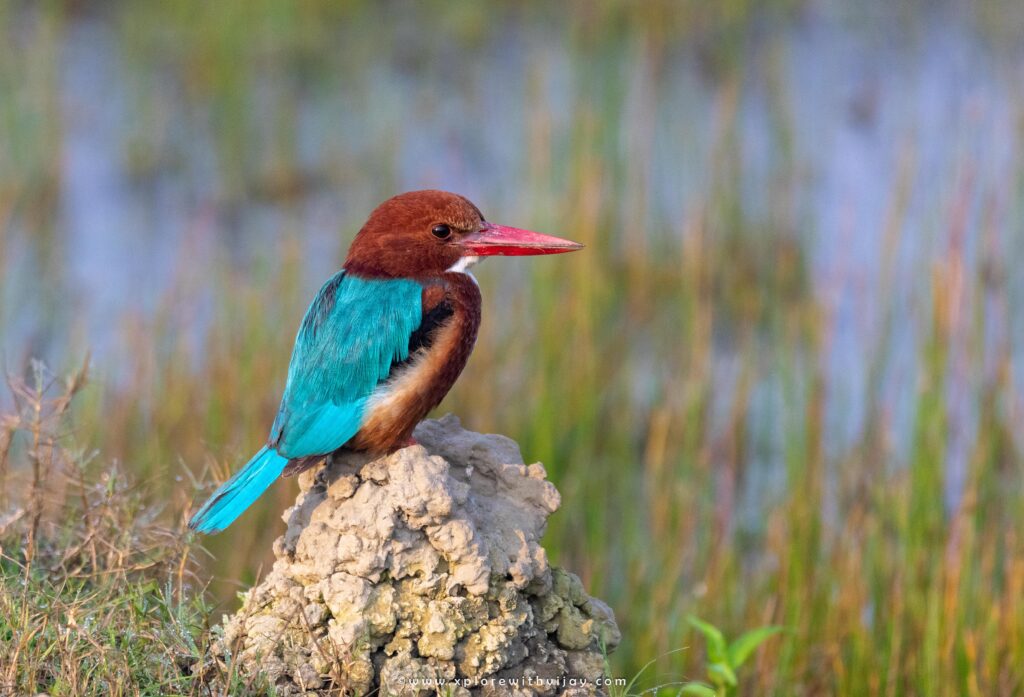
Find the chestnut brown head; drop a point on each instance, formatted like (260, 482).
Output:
(425, 233)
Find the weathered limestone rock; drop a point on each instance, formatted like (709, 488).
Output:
(422, 573)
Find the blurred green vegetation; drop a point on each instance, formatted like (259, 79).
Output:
(605, 365)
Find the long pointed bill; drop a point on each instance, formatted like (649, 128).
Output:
(512, 242)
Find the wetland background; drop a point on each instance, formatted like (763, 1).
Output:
(782, 384)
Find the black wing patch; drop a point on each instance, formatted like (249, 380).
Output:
(423, 337)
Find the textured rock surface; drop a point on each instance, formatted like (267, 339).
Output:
(422, 573)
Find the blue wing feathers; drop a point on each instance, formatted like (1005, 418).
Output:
(353, 332)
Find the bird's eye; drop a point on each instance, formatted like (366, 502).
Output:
(441, 231)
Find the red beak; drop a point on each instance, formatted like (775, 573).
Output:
(512, 242)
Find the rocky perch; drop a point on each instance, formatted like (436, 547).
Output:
(422, 573)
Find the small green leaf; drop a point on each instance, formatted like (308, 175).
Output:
(717, 651)
(697, 689)
(721, 674)
(740, 650)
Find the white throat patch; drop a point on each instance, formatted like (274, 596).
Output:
(463, 265)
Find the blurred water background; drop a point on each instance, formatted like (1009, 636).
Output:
(782, 383)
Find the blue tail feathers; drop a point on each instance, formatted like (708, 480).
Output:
(239, 492)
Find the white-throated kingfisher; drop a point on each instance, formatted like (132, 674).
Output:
(383, 341)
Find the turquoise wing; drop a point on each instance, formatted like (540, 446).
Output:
(352, 334)
(350, 337)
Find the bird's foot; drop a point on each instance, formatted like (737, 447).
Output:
(410, 441)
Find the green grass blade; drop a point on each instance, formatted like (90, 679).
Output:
(697, 689)
(717, 648)
(739, 650)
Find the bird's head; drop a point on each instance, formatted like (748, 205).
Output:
(424, 233)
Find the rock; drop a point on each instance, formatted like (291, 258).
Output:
(421, 573)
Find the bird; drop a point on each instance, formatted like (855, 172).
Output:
(382, 342)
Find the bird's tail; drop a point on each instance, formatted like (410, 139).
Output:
(238, 493)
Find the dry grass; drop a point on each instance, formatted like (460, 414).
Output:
(97, 595)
